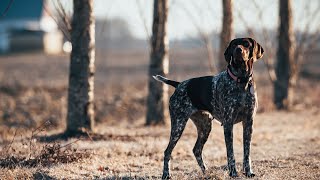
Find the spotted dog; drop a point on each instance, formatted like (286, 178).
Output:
(228, 97)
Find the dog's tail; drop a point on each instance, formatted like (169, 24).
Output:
(165, 80)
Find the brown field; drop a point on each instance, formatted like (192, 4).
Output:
(33, 93)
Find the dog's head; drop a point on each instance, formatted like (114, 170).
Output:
(242, 52)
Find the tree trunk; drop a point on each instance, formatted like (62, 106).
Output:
(80, 115)
(226, 32)
(286, 69)
(157, 100)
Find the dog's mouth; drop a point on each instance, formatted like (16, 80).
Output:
(237, 60)
(239, 63)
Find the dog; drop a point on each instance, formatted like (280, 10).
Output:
(229, 97)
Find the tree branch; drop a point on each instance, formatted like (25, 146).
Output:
(7, 9)
(205, 39)
(140, 11)
(65, 32)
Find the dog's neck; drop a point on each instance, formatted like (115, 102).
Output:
(239, 75)
(240, 72)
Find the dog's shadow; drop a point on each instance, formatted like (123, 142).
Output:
(85, 137)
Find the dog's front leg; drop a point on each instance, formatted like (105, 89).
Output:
(228, 136)
(247, 133)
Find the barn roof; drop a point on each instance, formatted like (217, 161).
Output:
(21, 9)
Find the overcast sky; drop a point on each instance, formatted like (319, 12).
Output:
(186, 15)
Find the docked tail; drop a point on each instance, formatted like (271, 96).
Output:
(165, 80)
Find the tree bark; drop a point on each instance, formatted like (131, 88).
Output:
(286, 69)
(157, 100)
(80, 115)
(226, 32)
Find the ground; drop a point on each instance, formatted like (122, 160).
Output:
(285, 145)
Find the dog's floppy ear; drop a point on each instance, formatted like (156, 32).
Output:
(257, 50)
(228, 53)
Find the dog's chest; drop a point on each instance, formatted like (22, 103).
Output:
(230, 97)
(239, 97)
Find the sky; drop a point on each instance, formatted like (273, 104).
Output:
(187, 16)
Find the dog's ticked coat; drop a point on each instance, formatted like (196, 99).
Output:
(228, 97)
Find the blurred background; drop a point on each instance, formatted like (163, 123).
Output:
(53, 61)
(35, 54)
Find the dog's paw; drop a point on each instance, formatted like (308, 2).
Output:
(233, 173)
(249, 174)
(166, 176)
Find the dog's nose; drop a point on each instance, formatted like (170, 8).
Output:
(238, 50)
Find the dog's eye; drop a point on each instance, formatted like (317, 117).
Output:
(246, 44)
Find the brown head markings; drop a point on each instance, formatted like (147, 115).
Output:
(255, 53)
(257, 50)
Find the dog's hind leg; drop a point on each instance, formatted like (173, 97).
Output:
(178, 123)
(203, 122)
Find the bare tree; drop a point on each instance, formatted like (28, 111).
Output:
(286, 70)
(80, 116)
(61, 17)
(306, 40)
(157, 99)
(226, 32)
(204, 35)
(270, 51)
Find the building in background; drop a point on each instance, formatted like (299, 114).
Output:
(27, 26)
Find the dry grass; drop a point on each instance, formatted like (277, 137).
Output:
(50, 154)
(286, 145)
